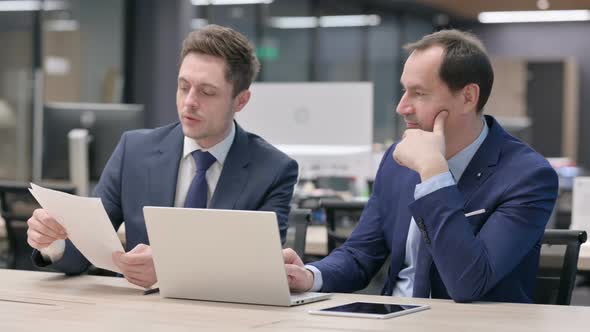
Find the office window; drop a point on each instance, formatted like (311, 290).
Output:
(384, 70)
(328, 40)
(285, 49)
(83, 52)
(16, 86)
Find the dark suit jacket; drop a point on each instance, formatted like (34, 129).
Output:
(491, 256)
(143, 170)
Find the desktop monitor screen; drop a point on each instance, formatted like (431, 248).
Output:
(326, 126)
(105, 124)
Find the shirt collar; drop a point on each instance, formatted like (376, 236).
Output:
(459, 162)
(219, 150)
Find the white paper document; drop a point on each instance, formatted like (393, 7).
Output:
(86, 222)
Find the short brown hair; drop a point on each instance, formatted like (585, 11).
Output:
(464, 61)
(239, 54)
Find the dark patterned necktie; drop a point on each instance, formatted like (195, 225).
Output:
(196, 196)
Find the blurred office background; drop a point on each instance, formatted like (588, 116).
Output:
(94, 64)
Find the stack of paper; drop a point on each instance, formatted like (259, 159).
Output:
(86, 222)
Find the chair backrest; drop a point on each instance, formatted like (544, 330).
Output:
(297, 233)
(341, 218)
(16, 205)
(555, 282)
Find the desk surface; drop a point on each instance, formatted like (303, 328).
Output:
(32, 301)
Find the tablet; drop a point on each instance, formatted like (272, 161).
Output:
(370, 310)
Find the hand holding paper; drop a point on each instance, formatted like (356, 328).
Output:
(85, 222)
(44, 230)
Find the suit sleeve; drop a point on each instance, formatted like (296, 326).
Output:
(278, 198)
(351, 266)
(469, 264)
(109, 190)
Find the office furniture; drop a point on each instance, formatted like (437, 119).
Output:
(297, 233)
(341, 218)
(17, 205)
(555, 282)
(30, 300)
(79, 138)
(316, 242)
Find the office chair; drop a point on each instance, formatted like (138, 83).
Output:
(297, 233)
(16, 206)
(341, 218)
(556, 282)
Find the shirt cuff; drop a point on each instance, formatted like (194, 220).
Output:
(433, 184)
(54, 252)
(318, 282)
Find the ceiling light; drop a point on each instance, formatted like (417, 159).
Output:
(295, 22)
(349, 21)
(229, 2)
(27, 6)
(534, 16)
(339, 21)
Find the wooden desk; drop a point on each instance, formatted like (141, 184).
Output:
(584, 259)
(316, 241)
(40, 301)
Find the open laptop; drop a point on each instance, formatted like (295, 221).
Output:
(220, 255)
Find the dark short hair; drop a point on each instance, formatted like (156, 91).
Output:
(239, 54)
(465, 61)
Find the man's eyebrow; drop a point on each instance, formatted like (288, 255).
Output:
(206, 84)
(413, 86)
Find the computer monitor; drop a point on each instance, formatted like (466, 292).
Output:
(105, 124)
(326, 126)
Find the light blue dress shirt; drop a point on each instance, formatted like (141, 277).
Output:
(457, 165)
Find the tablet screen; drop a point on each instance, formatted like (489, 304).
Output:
(370, 308)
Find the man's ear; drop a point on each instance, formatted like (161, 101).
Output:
(470, 95)
(241, 100)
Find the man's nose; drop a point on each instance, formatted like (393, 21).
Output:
(404, 107)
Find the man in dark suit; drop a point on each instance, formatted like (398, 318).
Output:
(205, 160)
(459, 204)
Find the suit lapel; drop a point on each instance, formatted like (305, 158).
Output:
(484, 161)
(163, 168)
(234, 174)
(482, 165)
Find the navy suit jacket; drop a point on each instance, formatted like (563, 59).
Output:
(143, 170)
(490, 257)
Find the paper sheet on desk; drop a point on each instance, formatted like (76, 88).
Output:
(86, 222)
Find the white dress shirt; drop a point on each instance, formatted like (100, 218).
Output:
(186, 172)
(187, 167)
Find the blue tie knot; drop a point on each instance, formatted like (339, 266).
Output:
(203, 160)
